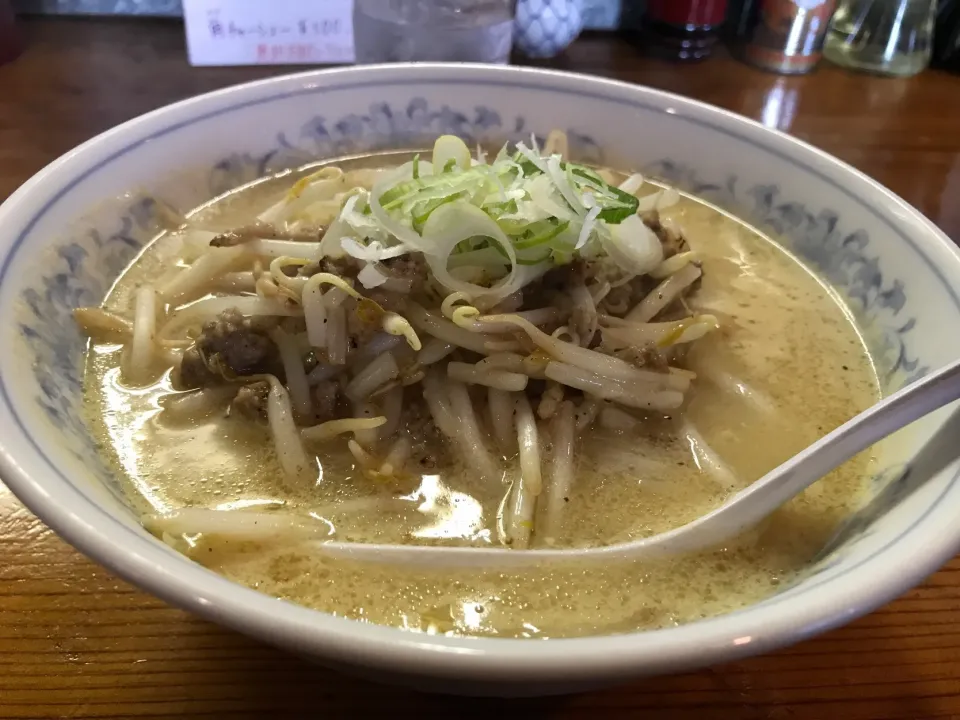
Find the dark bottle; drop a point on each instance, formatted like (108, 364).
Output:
(741, 18)
(681, 29)
(946, 36)
(10, 44)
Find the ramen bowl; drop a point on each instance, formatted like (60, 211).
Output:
(70, 231)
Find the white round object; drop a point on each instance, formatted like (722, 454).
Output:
(543, 28)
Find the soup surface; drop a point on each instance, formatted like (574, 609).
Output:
(785, 366)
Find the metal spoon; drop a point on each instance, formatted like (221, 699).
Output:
(742, 511)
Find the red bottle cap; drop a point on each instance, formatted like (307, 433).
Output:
(687, 12)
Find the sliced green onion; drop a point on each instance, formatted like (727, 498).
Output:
(398, 193)
(523, 209)
(450, 152)
(561, 256)
(546, 231)
(421, 216)
(528, 260)
(615, 204)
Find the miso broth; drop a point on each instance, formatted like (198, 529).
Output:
(785, 365)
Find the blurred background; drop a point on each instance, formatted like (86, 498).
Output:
(870, 81)
(890, 37)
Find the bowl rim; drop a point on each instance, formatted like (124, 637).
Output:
(178, 580)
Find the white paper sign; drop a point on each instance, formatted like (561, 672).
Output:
(269, 32)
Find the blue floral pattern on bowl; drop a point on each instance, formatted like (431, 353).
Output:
(85, 265)
(384, 127)
(80, 275)
(841, 256)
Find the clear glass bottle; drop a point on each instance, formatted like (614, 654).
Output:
(889, 37)
(433, 30)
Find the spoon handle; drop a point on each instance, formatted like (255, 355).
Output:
(908, 404)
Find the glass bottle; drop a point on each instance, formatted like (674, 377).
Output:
(681, 29)
(889, 37)
(946, 36)
(784, 36)
(433, 30)
(742, 15)
(10, 44)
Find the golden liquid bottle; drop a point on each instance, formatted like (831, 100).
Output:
(887, 37)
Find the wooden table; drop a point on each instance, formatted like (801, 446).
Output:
(76, 642)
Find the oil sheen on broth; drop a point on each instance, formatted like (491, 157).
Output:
(784, 334)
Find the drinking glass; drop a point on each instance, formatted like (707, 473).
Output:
(433, 30)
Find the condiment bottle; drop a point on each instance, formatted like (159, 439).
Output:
(10, 45)
(888, 37)
(681, 29)
(946, 36)
(784, 36)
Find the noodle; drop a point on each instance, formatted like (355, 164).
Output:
(458, 427)
(510, 362)
(99, 323)
(203, 311)
(528, 488)
(575, 355)
(315, 314)
(368, 435)
(396, 457)
(332, 428)
(392, 408)
(664, 294)
(143, 344)
(297, 383)
(502, 406)
(440, 410)
(586, 413)
(445, 330)
(706, 458)
(193, 281)
(499, 379)
(631, 394)
(336, 335)
(236, 283)
(366, 461)
(379, 372)
(613, 418)
(297, 466)
(243, 525)
(562, 434)
(434, 350)
(187, 406)
(470, 436)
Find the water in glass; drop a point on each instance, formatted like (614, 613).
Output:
(433, 30)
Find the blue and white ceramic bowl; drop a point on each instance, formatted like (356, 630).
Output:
(70, 230)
